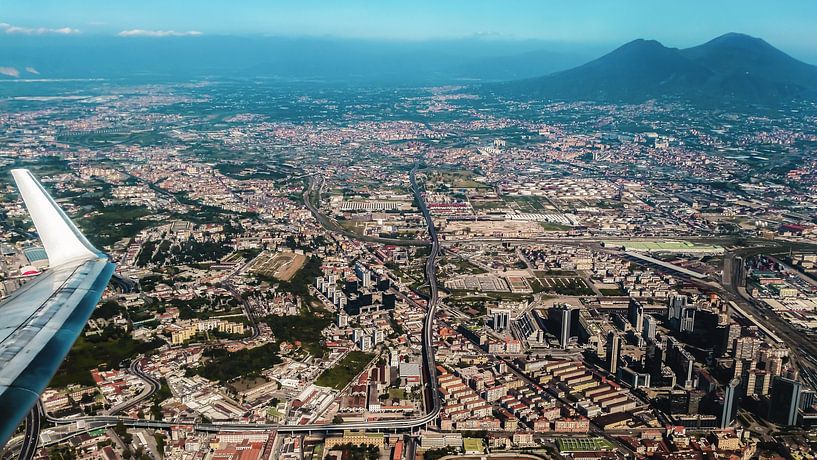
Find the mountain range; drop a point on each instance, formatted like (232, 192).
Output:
(731, 68)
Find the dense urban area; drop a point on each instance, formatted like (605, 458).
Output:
(311, 272)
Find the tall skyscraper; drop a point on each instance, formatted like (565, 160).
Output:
(694, 403)
(633, 378)
(686, 321)
(772, 359)
(500, 318)
(728, 336)
(678, 402)
(613, 351)
(650, 327)
(565, 332)
(343, 319)
(727, 270)
(730, 403)
(636, 315)
(364, 274)
(747, 348)
(740, 271)
(676, 303)
(654, 359)
(681, 314)
(733, 270)
(564, 321)
(807, 399)
(681, 362)
(784, 402)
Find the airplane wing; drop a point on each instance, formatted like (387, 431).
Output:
(40, 321)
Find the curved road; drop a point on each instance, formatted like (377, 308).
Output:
(429, 368)
(432, 396)
(226, 284)
(151, 386)
(32, 434)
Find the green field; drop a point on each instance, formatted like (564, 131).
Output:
(222, 365)
(347, 369)
(532, 204)
(112, 223)
(612, 292)
(40, 167)
(665, 246)
(445, 179)
(583, 444)
(564, 285)
(462, 265)
(554, 227)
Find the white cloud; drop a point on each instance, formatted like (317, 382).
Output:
(158, 33)
(10, 29)
(9, 71)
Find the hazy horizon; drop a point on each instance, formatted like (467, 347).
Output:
(594, 24)
(330, 59)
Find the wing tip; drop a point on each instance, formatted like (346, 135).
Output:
(62, 240)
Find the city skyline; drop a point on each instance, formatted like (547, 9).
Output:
(408, 230)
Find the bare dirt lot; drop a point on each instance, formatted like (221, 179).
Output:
(279, 265)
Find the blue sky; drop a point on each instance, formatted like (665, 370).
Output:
(789, 25)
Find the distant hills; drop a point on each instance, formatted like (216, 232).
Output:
(731, 68)
(318, 59)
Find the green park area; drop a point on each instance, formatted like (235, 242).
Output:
(105, 351)
(304, 328)
(109, 224)
(223, 366)
(348, 368)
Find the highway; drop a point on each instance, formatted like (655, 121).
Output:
(151, 386)
(226, 284)
(432, 396)
(31, 440)
(429, 368)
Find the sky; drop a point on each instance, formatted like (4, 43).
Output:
(789, 25)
